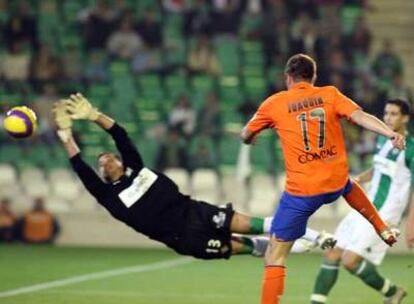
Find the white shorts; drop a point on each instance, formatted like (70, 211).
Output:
(355, 233)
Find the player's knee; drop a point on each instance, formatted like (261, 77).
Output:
(333, 255)
(350, 260)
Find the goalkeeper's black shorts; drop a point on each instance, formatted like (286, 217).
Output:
(206, 234)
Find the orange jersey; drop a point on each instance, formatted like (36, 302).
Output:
(307, 120)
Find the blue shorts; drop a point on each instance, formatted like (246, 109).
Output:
(291, 217)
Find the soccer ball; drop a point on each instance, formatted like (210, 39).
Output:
(20, 122)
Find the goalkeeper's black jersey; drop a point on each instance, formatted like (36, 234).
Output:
(145, 200)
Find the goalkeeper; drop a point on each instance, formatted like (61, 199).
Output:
(150, 203)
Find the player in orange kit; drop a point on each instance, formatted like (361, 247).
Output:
(307, 120)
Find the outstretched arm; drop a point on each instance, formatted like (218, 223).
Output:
(104, 121)
(87, 175)
(80, 108)
(372, 123)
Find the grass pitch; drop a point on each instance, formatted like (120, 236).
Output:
(58, 275)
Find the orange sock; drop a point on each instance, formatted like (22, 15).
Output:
(273, 284)
(358, 200)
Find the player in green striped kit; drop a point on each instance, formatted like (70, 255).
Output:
(359, 248)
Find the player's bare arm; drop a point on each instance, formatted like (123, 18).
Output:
(372, 123)
(365, 176)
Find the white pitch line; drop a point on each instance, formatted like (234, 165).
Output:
(95, 276)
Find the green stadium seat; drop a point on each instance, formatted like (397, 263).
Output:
(230, 90)
(348, 15)
(228, 55)
(172, 27)
(150, 86)
(232, 120)
(119, 68)
(203, 83)
(176, 51)
(229, 150)
(101, 98)
(261, 153)
(250, 23)
(176, 84)
(70, 10)
(255, 87)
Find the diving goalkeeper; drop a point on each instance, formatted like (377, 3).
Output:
(150, 203)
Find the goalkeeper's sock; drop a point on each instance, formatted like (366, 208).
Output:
(273, 284)
(247, 245)
(368, 273)
(256, 225)
(267, 224)
(311, 235)
(358, 200)
(326, 279)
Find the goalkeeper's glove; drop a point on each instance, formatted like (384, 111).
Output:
(64, 134)
(61, 116)
(80, 108)
(62, 120)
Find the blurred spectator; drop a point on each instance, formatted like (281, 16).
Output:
(305, 37)
(247, 109)
(147, 60)
(124, 43)
(72, 64)
(398, 90)
(43, 106)
(99, 24)
(338, 64)
(173, 152)
(182, 116)
(4, 10)
(7, 222)
(209, 122)
(204, 157)
(15, 64)
(149, 29)
(96, 69)
(174, 6)
(297, 7)
(45, 67)
(387, 63)
(197, 19)
(226, 16)
(273, 15)
(202, 58)
(360, 39)
(21, 26)
(38, 225)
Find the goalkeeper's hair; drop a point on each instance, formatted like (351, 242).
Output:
(109, 153)
(402, 104)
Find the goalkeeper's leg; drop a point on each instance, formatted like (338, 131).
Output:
(244, 224)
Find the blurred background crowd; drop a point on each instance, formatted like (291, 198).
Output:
(183, 76)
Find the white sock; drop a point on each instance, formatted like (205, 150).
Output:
(267, 224)
(299, 247)
(311, 235)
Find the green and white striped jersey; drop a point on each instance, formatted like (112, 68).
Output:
(392, 178)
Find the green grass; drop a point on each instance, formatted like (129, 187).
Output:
(198, 282)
